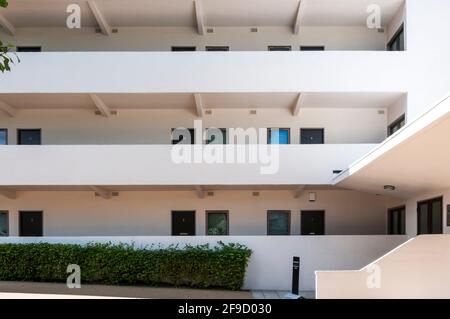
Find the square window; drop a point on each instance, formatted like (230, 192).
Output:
(312, 136)
(217, 223)
(278, 222)
(278, 136)
(29, 137)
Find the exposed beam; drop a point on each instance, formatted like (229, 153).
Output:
(8, 109)
(200, 191)
(100, 105)
(298, 191)
(101, 21)
(296, 27)
(103, 192)
(6, 25)
(297, 105)
(199, 17)
(8, 193)
(199, 107)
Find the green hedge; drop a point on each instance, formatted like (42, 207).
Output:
(221, 266)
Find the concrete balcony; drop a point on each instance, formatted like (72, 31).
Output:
(190, 72)
(156, 165)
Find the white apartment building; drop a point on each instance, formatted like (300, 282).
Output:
(352, 111)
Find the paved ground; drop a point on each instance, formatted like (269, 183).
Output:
(32, 288)
(14, 295)
(277, 294)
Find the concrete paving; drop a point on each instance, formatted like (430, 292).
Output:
(30, 289)
(279, 294)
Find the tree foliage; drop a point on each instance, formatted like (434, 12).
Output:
(5, 49)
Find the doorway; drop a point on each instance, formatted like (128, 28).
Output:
(30, 224)
(396, 221)
(429, 216)
(312, 222)
(183, 223)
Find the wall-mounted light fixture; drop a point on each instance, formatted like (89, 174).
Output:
(312, 197)
(389, 187)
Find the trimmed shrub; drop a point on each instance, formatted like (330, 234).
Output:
(222, 266)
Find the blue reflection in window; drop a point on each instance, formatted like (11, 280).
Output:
(279, 136)
(3, 137)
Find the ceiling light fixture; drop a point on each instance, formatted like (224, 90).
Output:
(389, 187)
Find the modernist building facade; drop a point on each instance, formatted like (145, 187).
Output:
(90, 120)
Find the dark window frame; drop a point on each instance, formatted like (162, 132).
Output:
(279, 48)
(395, 37)
(403, 221)
(269, 134)
(217, 211)
(311, 129)
(400, 119)
(312, 48)
(430, 215)
(276, 211)
(7, 222)
(182, 48)
(217, 48)
(19, 130)
(6, 135)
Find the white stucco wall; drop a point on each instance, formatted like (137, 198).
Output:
(163, 38)
(70, 126)
(416, 270)
(148, 213)
(271, 267)
(428, 51)
(398, 109)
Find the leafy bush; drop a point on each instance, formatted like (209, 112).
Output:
(221, 266)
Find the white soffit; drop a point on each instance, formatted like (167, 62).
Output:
(210, 100)
(181, 13)
(350, 100)
(415, 159)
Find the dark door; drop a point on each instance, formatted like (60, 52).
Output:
(313, 222)
(30, 224)
(183, 223)
(29, 137)
(429, 216)
(311, 136)
(396, 221)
